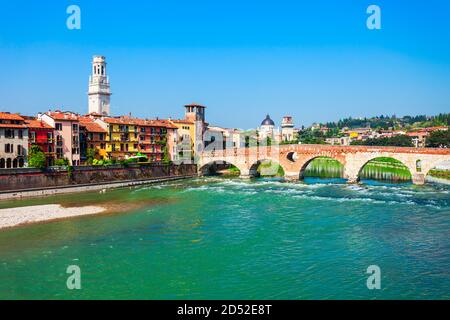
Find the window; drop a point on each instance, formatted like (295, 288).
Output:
(20, 150)
(101, 137)
(75, 127)
(58, 126)
(59, 141)
(113, 147)
(20, 134)
(9, 133)
(33, 137)
(9, 148)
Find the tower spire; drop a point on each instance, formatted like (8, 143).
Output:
(99, 89)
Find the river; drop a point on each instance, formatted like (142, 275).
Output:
(218, 238)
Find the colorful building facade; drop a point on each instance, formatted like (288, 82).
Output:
(67, 134)
(13, 141)
(92, 139)
(157, 140)
(42, 135)
(122, 137)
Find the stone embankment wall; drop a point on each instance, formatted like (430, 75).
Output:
(30, 178)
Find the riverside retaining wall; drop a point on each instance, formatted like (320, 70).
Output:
(30, 178)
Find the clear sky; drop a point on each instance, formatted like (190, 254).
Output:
(314, 60)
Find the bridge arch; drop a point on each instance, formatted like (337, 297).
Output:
(266, 167)
(211, 167)
(437, 169)
(386, 168)
(306, 163)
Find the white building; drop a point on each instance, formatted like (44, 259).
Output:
(13, 141)
(99, 89)
(287, 129)
(267, 129)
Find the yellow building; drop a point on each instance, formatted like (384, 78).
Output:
(186, 138)
(92, 136)
(122, 138)
(191, 131)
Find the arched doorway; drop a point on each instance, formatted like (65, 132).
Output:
(2, 163)
(385, 169)
(21, 163)
(322, 167)
(8, 163)
(15, 163)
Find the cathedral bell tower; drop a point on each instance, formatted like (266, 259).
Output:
(99, 89)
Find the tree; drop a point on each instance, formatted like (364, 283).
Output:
(62, 162)
(90, 155)
(395, 141)
(36, 158)
(439, 139)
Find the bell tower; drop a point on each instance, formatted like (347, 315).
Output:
(99, 89)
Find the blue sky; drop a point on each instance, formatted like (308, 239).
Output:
(314, 60)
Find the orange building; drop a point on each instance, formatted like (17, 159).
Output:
(92, 136)
(157, 139)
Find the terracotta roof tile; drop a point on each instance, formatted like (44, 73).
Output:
(34, 123)
(91, 126)
(13, 126)
(61, 116)
(10, 116)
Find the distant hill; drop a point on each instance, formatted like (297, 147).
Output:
(386, 122)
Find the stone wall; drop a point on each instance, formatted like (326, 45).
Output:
(30, 178)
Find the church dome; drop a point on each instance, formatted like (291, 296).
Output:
(268, 122)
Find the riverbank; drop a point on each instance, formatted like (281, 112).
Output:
(14, 217)
(434, 179)
(41, 192)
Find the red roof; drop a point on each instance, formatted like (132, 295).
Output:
(37, 124)
(182, 121)
(63, 116)
(120, 120)
(13, 126)
(91, 126)
(10, 116)
(156, 123)
(140, 122)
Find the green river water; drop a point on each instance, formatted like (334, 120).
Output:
(217, 238)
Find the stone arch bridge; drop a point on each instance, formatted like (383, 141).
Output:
(295, 158)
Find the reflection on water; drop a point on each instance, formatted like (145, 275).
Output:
(220, 238)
